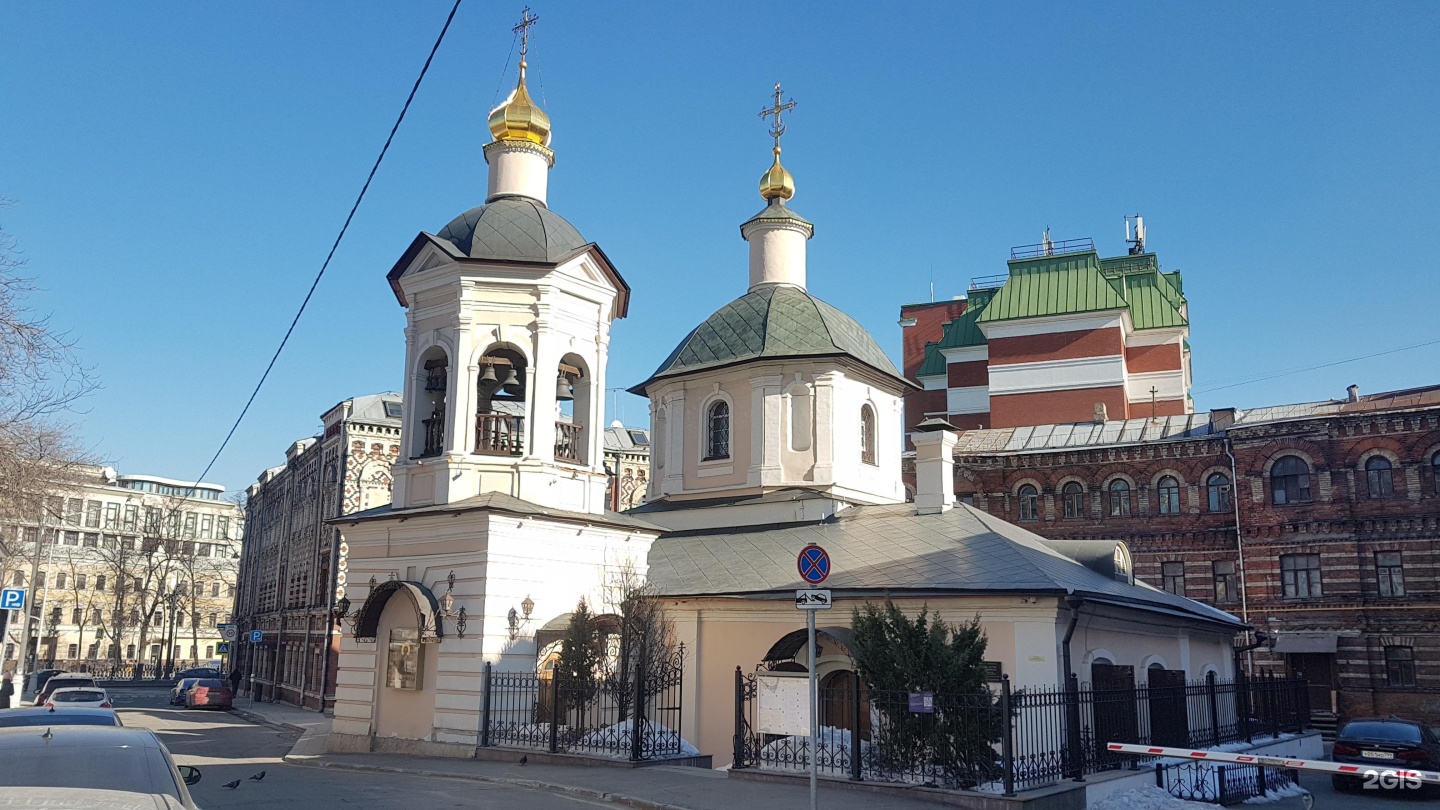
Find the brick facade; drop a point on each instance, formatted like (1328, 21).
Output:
(1364, 608)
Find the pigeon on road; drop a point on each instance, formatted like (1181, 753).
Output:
(524, 759)
(232, 785)
(257, 777)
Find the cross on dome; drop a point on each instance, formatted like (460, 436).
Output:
(776, 184)
(519, 118)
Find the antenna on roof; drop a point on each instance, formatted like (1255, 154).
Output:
(1047, 247)
(1137, 242)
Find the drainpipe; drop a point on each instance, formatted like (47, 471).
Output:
(1239, 543)
(1072, 693)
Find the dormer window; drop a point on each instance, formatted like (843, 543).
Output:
(717, 431)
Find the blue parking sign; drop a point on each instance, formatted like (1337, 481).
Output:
(255, 636)
(12, 599)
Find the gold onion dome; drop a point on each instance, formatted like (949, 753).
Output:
(776, 182)
(520, 118)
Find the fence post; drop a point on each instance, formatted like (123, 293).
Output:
(1160, 775)
(485, 708)
(1220, 784)
(637, 721)
(1242, 702)
(1214, 707)
(1007, 742)
(738, 752)
(856, 746)
(554, 711)
(1072, 721)
(1274, 707)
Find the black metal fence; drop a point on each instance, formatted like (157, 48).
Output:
(1005, 740)
(103, 670)
(1218, 783)
(631, 714)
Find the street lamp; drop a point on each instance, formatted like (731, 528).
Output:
(52, 630)
(173, 601)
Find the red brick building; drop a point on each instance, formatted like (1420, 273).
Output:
(1062, 336)
(1332, 546)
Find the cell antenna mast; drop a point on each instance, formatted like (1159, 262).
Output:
(1137, 241)
(778, 109)
(523, 29)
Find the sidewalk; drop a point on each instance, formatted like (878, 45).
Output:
(651, 788)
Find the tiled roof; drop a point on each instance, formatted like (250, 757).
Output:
(891, 549)
(772, 321)
(513, 228)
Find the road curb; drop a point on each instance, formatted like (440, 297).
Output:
(532, 784)
(260, 720)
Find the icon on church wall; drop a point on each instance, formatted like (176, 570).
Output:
(403, 664)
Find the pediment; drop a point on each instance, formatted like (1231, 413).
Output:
(426, 252)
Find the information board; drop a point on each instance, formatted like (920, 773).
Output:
(782, 704)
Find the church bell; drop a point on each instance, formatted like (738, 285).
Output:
(564, 391)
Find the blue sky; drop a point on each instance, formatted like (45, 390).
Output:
(180, 170)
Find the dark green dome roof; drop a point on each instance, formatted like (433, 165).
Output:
(513, 228)
(773, 321)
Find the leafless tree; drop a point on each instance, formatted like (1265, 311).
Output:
(647, 645)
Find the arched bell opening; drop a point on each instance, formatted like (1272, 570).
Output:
(432, 378)
(573, 398)
(500, 402)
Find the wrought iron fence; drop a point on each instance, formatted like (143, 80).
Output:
(1000, 740)
(632, 713)
(1219, 783)
(115, 670)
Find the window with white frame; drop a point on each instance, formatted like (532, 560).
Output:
(717, 431)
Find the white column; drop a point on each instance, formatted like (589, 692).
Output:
(674, 443)
(766, 431)
(825, 438)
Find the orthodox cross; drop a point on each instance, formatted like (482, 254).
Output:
(1153, 392)
(778, 127)
(523, 29)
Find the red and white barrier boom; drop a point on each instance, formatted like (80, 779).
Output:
(1380, 766)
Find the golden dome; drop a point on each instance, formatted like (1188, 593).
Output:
(776, 182)
(520, 118)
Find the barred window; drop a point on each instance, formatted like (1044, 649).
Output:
(1120, 498)
(1168, 492)
(1029, 503)
(1399, 666)
(717, 444)
(1379, 478)
(1074, 497)
(1390, 572)
(1300, 575)
(867, 434)
(1290, 481)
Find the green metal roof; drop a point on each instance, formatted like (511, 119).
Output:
(1053, 285)
(1151, 301)
(770, 322)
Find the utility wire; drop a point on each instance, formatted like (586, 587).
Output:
(343, 228)
(1319, 366)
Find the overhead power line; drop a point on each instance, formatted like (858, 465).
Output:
(338, 237)
(1280, 374)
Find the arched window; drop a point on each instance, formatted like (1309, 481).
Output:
(1379, 478)
(717, 431)
(1289, 481)
(1119, 498)
(1074, 497)
(1167, 490)
(1029, 503)
(1435, 471)
(867, 434)
(1217, 493)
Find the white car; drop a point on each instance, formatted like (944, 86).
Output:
(92, 758)
(79, 697)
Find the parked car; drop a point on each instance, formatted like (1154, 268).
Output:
(40, 677)
(1384, 742)
(209, 693)
(79, 697)
(62, 681)
(87, 799)
(177, 694)
(42, 716)
(127, 759)
(199, 672)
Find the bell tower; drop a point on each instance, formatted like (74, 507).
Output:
(508, 313)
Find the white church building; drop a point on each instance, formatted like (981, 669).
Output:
(775, 423)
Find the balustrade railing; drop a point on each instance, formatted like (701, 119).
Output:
(434, 435)
(567, 442)
(499, 434)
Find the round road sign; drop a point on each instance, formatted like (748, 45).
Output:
(814, 564)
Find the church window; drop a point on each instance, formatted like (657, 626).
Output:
(867, 434)
(1073, 496)
(1379, 478)
(1289, 481)
(1029, 503)
(1120, 498)
(717, 431)
(1217, 493)
(1168, 491)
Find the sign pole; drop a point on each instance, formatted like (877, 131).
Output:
(814, 708)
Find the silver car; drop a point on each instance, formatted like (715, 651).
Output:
(124, 759)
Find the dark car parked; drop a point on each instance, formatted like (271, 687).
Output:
(1384, 743)
(45, 716)
(199, 672)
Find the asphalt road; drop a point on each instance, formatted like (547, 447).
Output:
(226, 748)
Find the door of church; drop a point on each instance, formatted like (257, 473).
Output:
(1116, 716)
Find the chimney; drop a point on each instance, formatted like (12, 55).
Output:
(934, 441)
(1353, 393)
